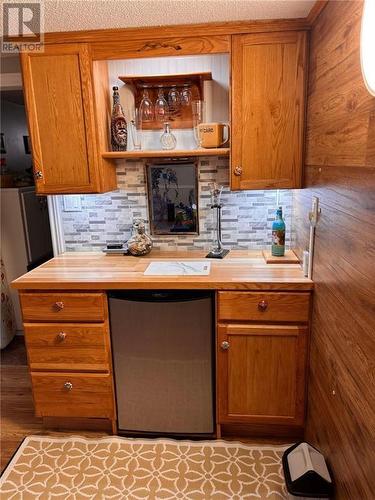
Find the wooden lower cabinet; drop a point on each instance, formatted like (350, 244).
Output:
(69, 354)
(261, 374)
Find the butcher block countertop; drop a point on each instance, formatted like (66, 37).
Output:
(239, 270)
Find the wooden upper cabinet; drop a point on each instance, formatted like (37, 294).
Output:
(268, 94)
(60, 107)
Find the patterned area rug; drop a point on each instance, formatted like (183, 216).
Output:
(117, 468)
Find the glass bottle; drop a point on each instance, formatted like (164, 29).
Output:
(139, 243)
(161, 106)
(278, 234)
(119, 130)
(168, 140)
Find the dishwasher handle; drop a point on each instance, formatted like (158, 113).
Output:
(160, 295)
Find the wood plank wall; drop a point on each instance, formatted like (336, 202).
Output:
(340, 169)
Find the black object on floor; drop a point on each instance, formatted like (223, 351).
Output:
(306, 473)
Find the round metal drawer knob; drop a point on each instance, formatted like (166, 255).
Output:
(224, 345)
(59, 305)
(61, 336)
(262, 306)
(68, 386)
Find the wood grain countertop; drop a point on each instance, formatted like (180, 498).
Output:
(239, 270)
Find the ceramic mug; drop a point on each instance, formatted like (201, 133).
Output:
(211, 135)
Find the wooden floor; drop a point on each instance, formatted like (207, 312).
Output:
(17, 411)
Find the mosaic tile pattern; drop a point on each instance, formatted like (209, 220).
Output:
(246, 217)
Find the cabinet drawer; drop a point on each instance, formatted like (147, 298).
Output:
(63, 346)
(269, 306)
(72, 395)
(63, 306)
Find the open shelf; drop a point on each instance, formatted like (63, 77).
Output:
(174, 153)
(178, 79)
(180, 116)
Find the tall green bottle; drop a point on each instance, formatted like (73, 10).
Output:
(278, 234)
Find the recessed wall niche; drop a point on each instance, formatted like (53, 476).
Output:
(215, 91)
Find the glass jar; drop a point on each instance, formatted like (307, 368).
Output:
(139, 243)
(168, 140)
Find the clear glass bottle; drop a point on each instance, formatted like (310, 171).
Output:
(139, 243)
(278, 234)
(168, 140)
(119, 129)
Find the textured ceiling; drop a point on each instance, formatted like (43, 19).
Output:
(75, 15)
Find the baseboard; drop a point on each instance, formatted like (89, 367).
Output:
(260, 430)
(74, 423)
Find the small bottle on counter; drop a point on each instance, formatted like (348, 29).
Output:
(278, 234)
(119, 129)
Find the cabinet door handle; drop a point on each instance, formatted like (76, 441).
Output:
(262, 306)
(225, 345)
(61, 336)
(68, 386)
(38, 175)
(59, 305)
(237, 170)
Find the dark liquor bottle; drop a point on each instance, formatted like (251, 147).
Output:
(119, 129)
(278, 234)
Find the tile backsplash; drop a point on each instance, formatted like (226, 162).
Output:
(106, 218)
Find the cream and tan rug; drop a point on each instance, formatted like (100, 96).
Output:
(117, 468)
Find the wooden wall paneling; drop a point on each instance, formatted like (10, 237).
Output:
(339, 106)
(268, 102)
(316, 10)
(340, 170)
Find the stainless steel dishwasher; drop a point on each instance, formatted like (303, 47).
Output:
(162, 343)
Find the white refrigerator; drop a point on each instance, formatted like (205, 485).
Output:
(25, 235)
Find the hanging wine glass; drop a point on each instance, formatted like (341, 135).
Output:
(186, 95)
(161, 106)
(174, 100)
(146, 108)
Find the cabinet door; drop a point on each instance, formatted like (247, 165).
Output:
(59, 99)
(268, 94)
(261, 374)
